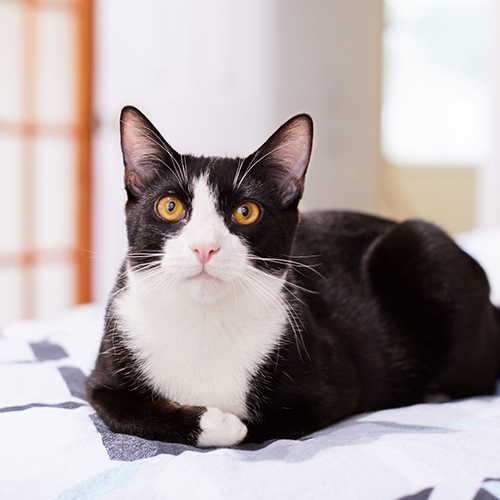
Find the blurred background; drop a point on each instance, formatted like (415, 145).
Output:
(405, 96)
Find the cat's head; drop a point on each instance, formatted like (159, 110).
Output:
(207, 224)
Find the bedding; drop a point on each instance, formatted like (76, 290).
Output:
(53, 446)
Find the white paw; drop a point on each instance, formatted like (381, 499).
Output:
(220, 429)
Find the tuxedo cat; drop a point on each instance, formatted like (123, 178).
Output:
(235, 319)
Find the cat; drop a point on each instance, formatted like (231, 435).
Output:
(234, 319)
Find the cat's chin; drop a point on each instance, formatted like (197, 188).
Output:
(205, 288)
(204, 277)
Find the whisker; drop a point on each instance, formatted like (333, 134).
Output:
(145, 254)
(184, 168)
(156, 278)
(253, 163)
(151, 136)
(159, 143)
(293, 318)
(168, 166)
(285, 281)
(288, 262)
(238, 171)
(272, 300)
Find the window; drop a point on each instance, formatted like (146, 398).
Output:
(435, 95)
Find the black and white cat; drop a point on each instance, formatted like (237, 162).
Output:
(232, 320)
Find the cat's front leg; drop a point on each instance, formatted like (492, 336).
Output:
(128, 412)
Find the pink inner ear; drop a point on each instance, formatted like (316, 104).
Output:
(296, 150)
(291, 148)
(138, 141)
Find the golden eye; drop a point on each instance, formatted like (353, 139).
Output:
(170, 208)
(246, 213)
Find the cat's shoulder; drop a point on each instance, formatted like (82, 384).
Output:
(342, 225)
(344, 219)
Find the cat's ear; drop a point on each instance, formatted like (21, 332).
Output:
(144, 150)
(288, 151)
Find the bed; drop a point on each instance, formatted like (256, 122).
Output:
(53, 446)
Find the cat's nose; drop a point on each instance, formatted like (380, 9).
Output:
(205, 250)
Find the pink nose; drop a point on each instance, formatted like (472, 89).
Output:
(205, 250)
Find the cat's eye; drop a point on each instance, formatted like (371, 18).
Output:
(246, 213)
(170, 208)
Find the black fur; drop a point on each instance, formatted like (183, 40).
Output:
(388, 312)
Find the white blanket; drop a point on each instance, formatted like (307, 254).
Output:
(52, 445)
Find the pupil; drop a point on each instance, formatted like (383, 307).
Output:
(171, 206)
(244, 211)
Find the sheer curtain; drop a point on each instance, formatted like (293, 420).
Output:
(44, 156)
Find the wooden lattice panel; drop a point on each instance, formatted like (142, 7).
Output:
(45, 130)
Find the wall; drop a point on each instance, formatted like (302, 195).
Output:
(328, 63)
(445, 195)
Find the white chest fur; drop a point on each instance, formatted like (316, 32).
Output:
(202, 353)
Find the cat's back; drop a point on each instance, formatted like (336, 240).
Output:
(402, 297)
(335, 242)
